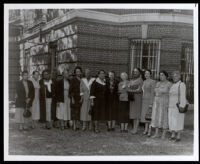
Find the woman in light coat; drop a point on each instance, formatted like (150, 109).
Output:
(85, 87)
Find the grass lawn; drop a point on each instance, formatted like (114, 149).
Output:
(56, 142)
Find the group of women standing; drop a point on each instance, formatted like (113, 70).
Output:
(91, 100)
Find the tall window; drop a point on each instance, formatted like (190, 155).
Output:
(187, 69)
(145, 54)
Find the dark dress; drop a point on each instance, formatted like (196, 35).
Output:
(21, 94)
(53, 111)
(123, 102)
(112, 100)
(43, 95)
(99, 92)
(74, 91)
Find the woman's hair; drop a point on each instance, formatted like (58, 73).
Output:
(165, 73)
(77, 67)
(101, 71)
(148, 70)
(46, 70)
(24, 72)
(34, 72)
(125, 74)
(176, 72)
(141, 72)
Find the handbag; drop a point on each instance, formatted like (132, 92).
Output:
(181, 109)
(148, 114)
(131, 96)
(27, 113)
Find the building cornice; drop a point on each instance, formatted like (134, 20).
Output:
(114, 18)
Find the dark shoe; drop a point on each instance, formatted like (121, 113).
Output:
(113, 129)
(125, 131)
(177, 140)
(109, 129)
(172, 138)
(96, 131)
(121, 131)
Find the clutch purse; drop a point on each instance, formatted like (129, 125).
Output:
(27, 113)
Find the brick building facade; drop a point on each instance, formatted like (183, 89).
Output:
(112, 39)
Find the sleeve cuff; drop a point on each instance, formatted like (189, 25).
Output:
(81, 94)
(92, 97)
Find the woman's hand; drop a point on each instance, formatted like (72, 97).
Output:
(73, 101)
(81, 100)
(27, 100)
(92, 102)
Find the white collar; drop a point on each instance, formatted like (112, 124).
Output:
(100, 82)
(88, 83)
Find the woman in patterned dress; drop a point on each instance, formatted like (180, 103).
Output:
(136, 105)
(160, 105)
(147, 98)
(176, 119)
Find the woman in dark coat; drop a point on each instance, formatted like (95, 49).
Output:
(74, 94)
(112, 101)
(63, 111)
(47, 92)
(98, 99)
(24, 98)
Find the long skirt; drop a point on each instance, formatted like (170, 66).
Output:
(19, 118)
(112, 108)
(48, 108)
(63, 111)
(136, 106)
(123, 111)
(98, 111)
(85, 116)
(176, 119)
(160, 113)
(145, 106)
(36, 108)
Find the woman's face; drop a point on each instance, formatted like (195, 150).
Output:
(111, 75)
(162, 77)
(123, 77)
(78, 73)
(136, 73)
(46, 76)
(176, 77)
(87, 73)
(25, 76)
(102, 75)
(36, 75)
(147, 75)
(66, 74)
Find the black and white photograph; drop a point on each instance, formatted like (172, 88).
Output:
(96, 82)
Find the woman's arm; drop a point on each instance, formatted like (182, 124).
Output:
(182, 98)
